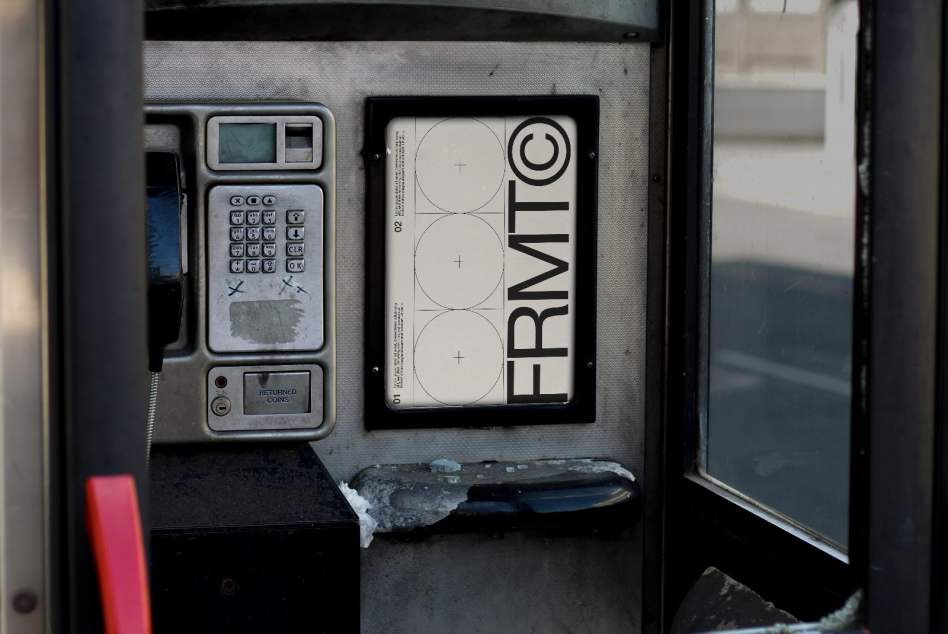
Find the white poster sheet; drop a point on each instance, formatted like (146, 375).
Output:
(480, 261)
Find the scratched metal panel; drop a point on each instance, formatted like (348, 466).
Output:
(528, 574)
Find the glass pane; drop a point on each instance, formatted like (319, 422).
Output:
(782, 254)
(247, 143)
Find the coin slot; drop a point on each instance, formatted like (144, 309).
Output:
(299, 143)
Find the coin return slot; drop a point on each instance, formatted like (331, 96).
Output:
(299, 143)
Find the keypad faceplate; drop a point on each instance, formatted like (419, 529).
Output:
(265, 267)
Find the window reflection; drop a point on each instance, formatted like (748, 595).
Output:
(782, 255)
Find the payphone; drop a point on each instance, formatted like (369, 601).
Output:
(256, 358)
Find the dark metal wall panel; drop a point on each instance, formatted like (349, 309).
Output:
(103, 266)
(902, 165)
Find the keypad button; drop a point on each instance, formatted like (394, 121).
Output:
(253, 250)
(294, 266)
(269, 266)
(253, 200)
(295, 248)
(269, 233)
(269, 200)
(253, 266)
(253, 233)
(269, 217)
(237, 234)
(236, 201)
(236, 266)
(253, 217)
(295, 217)
(294, 233)
(237, 249)
(269, 249)
(236, 217)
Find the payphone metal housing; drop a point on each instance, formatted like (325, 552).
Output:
(186, 387)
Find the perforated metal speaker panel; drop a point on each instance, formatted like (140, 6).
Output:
(341, 76)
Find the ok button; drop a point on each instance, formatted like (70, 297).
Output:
(294, 233)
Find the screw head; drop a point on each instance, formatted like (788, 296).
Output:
(221, 381)
(631, 35)
(589, 364)
(657, 178)
(228, 585)
(24, 601)
(375, 370)
(592, 155)
(376, 157)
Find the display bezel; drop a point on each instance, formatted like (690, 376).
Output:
(379, 111)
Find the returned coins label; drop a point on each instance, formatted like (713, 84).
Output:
(276, 393)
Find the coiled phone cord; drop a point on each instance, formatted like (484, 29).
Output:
(152, 405)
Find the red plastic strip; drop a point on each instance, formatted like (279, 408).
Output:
(115, 530)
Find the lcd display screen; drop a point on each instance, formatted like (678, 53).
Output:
(247, 143)
(480, 261)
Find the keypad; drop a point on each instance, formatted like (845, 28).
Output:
(264, 244)
(249, 226)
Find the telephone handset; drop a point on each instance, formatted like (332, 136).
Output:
(166, 252)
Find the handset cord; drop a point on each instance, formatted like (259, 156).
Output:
(152, 405)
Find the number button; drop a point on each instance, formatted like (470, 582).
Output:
(253, 250)
(253, 217)
(269, 249)
(253, 266)
(237, 250)
(236, 201)
(269, 233)
(294, 248)
(269, 200)
(236, 266)
(269, 266)
(269, 217)
(295, 217)
(253, 200)
(294, 233)
(236, 217)
(237, 234)
(294, 266)
(253, 233)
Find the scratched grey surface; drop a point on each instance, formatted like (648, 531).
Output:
(525, 582)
